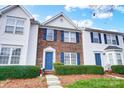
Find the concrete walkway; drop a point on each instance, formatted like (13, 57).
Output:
(115, 77)
(53, 81)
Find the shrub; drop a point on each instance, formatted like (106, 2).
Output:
(11, 72)
(118, 69)
(93, 69)
(81, 69)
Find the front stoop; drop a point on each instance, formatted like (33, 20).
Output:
(49, 72)
(53, 81)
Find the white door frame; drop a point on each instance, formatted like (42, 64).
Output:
(101, 56)
(49, 49)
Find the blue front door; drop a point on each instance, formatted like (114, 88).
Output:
(98, 59)
(48, 60)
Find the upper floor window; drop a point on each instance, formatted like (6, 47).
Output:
(114, 41)
(123, 39)
(108, 38)
(70, 37)
(95, 37)
(14, 25)
(111, 39)
(10, 55)
(50, 35)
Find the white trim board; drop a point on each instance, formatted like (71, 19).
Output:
(48, 49)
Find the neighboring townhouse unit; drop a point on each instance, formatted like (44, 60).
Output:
(104, 48)
(59, 40)
(18, 36)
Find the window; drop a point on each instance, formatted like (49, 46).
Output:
(119, 60)
(108, 37)
(95, 37)
(66, 36)
(15, 57)
(10, 55)
(14, 25)
(70, 58)
(50, 34)
(70, 37)
(4, 55)
(114, 41)
(110, 58)
(73, 37)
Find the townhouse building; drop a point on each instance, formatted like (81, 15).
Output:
(103, 48)
(18, 36)
(24, 41)
(59, 40)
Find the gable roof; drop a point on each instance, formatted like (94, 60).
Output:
(10, 7)
(113, 48)
(59, 15)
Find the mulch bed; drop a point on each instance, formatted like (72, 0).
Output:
(68, 79)
(24, 83)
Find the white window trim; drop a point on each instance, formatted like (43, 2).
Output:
(70, 63)
(120, 57)
(52, 34)
(94, 37)
(111, 43)
(14, 31)
(70, 37)
(9, 61)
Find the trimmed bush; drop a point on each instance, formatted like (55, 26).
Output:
(80, 69)
(93, 69)
(118, 69)
(16, 72)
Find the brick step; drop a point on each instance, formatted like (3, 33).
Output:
(49, 72)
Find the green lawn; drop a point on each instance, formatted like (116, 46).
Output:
(97, 83)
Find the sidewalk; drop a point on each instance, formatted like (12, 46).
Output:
(53, 81)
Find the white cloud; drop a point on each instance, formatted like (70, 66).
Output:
(120, 8)
(72, 7)
(113, 30)
(36, 16)
(84, 23)
(48, 17)
(103, 15)
(101, 11)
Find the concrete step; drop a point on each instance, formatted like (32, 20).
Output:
(52, 79)
(51, 76)
(55, 87)
(53, 83)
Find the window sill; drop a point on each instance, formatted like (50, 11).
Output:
(70, 42)
(13, 33)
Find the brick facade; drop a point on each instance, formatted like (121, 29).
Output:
(59, 46)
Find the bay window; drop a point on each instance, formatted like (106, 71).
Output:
(119, 59)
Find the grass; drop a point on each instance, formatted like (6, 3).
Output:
(98, 83)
